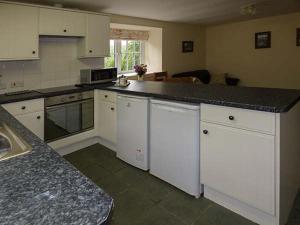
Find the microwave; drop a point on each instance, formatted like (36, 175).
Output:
(96, 76)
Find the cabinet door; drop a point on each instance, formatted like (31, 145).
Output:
(61, 22)
(107, 120)
(96, 42)
(19, 32)
(240, 164)
(34, 122)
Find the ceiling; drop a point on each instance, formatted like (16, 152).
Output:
(187, 11)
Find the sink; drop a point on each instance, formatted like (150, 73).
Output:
(11, 144)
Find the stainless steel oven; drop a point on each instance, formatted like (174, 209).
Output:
(70, 114)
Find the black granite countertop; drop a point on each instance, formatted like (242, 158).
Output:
(43, 188)
(261, 99)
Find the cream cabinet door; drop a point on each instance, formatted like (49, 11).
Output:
(107, 120)
(96, 41)
(19, 32)
(61, 22)
(240, 164)
(34, 122)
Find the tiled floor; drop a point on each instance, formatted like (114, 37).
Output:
(142, 199)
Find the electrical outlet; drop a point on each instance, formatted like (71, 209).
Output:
(16, 84)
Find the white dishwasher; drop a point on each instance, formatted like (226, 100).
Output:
(133, 130)
(174, 144)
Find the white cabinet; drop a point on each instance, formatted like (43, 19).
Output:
(30, 113)
(19, 32)
(61, 22)
(105, 115)
(107, 120)
(240, 164)
(34, 122)
(96, 41)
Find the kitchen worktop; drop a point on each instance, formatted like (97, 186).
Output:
(261, 99)
(42, 188)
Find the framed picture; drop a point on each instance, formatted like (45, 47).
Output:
(298, 36)
(187, 46)
(263, 40)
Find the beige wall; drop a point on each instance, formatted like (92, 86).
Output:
(230, 48)
(173, 60)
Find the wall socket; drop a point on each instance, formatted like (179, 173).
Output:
(15, 84)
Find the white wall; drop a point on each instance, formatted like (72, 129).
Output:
(58, 66)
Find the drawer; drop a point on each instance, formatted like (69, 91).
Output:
(108, 96)
(19, 108)
(240, 118)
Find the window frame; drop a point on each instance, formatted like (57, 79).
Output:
(118, 54)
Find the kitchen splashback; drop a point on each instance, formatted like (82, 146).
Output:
(58, 66)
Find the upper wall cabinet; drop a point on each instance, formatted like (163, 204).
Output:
(19, 36)
(96, 41)
(62, 23)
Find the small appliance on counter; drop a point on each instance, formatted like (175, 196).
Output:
(122, 81)
(97, 76)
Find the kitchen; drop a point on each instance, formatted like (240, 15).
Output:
(240, 143)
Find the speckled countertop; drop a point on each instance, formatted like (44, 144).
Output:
(43, 188)
(261, 99)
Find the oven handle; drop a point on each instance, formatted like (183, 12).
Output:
(68, 104)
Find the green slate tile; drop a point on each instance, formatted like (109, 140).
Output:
(113, 164)
(95, 172)
(218, 215)
(186, 207)
(159, 216)
(113, 185)
(130, 207)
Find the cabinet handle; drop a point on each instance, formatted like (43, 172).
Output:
(38, 117)
(231, 117)
(23, 107)
(65, 30)
(112, 108)
(33, 52)
(205, 132)
(91, 51)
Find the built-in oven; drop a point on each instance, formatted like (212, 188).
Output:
(70, 114)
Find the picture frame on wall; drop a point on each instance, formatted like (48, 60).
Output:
(298, 37)
(187, 46)
(263, 40)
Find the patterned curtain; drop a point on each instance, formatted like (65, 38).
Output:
(117, 34)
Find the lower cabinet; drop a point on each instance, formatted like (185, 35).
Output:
(106, 115)
(240, 164)
(30, 113)
(34, 122)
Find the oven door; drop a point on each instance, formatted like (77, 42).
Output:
(68, 119)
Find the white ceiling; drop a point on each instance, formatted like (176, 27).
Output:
(187, 11)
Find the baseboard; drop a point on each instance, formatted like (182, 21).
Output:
(240, 208)
(76, 146)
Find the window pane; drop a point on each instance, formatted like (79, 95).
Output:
(123, 46)
(130, 46)
(110, 61)
(124, 62)
(137, 46)
(137, 59)
(131, 61)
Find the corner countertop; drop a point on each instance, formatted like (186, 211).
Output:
(261, 99)
(43, 188)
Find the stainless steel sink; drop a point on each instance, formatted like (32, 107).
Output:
(11, 144)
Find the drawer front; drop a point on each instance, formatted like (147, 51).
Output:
(19, 108)
(108, 96)
(239, 118)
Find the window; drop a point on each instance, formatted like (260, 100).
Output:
(125, 54)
